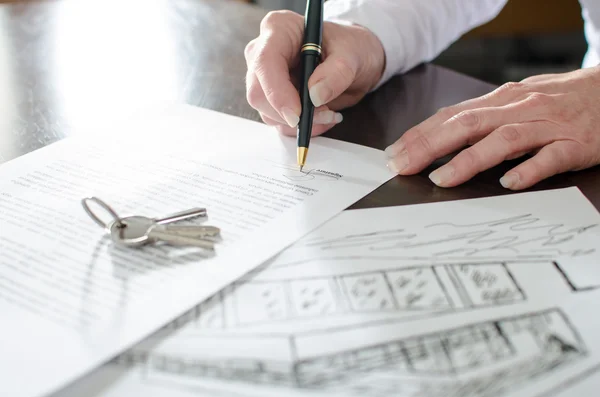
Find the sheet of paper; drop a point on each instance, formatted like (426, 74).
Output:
(70, 299)
(470, 298)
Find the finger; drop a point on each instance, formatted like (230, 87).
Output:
(257, 99)
(322, 116)
(317, 129)
(517, 155)
(331, 78)
(467, 127)
(272, 70)
(346, 100)
(269, 121)
(325, 116)
(540, 78)
(508, 93)
(553, 159)
(497, 147)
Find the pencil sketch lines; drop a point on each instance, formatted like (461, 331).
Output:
(576, 285)
(482, 359)
(405, 290)
(517, 223)
(513, 235)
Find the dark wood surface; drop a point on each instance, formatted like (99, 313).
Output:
(65, 64)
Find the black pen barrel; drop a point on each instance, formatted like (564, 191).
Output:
(309, 63)
(313, 20)
(310, 57)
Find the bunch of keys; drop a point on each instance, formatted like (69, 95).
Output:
(137, 231)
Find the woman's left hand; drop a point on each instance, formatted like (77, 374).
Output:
(556, 117)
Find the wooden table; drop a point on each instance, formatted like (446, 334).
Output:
(65, 64)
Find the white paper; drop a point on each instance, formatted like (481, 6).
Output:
(467, 298)
(70, 299)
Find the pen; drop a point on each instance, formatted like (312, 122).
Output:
(310, 57)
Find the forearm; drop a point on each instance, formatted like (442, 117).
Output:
(413, 31)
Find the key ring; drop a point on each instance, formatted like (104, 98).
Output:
(94, 217)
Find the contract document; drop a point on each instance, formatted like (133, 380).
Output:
(491, 297)
(71, 299)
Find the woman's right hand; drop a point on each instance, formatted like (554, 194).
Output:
(352, 64)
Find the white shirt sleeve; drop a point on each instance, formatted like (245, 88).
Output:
(413, 31)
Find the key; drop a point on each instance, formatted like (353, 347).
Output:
(158, 234)
(191, 230)
(136, 231)
(176, 217)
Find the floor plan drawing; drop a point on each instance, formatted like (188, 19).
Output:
(498, 304)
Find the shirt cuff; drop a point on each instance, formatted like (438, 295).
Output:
(358, 12)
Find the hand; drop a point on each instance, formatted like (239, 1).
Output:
(555, 117)
(352, 64)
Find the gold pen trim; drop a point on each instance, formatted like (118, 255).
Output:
(302, 152)
(311, 47)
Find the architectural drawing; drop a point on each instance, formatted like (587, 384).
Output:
(479, 359)
(287, 302)
(519, 237)
(412, 290)
(427, 306)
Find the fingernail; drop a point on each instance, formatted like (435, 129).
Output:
(399, 163)
(290, 117)
(394, 149)
(320, 93)
(327, 117)
(509, 180)
(442, 175)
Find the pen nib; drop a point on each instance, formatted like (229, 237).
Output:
(302, 156)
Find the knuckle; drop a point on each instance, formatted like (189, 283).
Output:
(511, 86)
(445, 112)
(275, 19)
(423, 143)
(272, 19)
(249, 49)
(470, 158)
(538, 99)
(558, 155)
(344, 68)
(254, 94)
(468, 119)
(509, 133)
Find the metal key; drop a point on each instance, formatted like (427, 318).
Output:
(190, 231)
(162, 235)
(136, 231)
(133, 233)
(176, 217)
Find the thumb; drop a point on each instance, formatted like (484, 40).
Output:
(331, 78)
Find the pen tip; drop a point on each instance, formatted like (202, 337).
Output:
(302, 156)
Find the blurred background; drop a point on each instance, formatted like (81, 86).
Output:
(529, 37)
